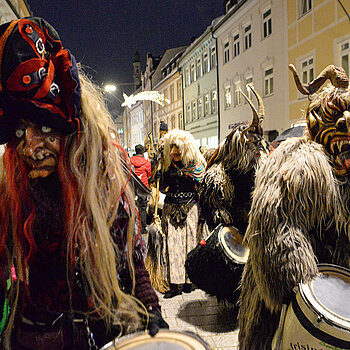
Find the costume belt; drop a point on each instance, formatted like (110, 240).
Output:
(181, 195)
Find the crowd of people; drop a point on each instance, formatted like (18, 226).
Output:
(72, 250)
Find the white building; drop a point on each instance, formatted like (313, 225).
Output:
(252, 49)
(200, 89)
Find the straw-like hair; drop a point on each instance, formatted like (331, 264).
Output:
(93, 182)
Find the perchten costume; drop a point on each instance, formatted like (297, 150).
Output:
(72, 269)
(300, 210)
(225, 198)
(182, 172)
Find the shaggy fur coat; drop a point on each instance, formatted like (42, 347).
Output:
(299, 218)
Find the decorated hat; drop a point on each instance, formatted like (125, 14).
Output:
(39, 79)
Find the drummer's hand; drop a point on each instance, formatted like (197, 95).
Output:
(156, 322)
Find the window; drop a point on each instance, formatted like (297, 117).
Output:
(181, 126)
(187, 77)
(205, 62)
(247, 37)
(307, 68)
(305, 6)
(200, 107)
(214, 101)
(267, 23)
(213, 58)
(226, 52)
(179, 90)
(194, 110)
(228, 98)
(268, 82)
(172, 120)
(249, 82)
(192, 74)
(238, 95)
(172, 94)
(344, 56)
(206, 104)
(188, 113)
(236, 45)
(199, 68)
(165, 94)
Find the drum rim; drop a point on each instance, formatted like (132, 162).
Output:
(136, 335)
(310, 299)
(227, 251)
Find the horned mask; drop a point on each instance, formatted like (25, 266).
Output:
(328, 115)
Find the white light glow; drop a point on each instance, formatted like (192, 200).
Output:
(110, 88)
(154, 96)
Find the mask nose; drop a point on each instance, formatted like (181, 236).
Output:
(33, 140)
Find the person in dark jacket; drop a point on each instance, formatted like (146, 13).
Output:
(142, 168)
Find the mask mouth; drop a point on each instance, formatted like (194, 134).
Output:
(341, 155)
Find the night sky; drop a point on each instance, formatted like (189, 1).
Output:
(104, 34)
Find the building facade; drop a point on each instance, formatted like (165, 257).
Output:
(252, 50)
(200, 89)
(167, 79)
(318, 35)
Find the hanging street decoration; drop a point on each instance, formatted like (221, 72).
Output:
(154, 96)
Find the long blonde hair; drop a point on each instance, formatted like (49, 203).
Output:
(93, 188)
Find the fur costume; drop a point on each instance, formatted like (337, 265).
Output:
(180, 179)
(300, 212)
(225, 199)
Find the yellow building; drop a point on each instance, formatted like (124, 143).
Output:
(318, 35)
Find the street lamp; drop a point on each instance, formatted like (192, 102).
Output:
(110, 88)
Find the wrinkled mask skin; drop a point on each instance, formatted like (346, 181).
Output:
(39, 147)
(175, 153)
(329, 125)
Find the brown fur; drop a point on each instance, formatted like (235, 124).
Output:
(296, 200)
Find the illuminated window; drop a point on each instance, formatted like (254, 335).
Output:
(236, 45)
(199, 68)
(188, 113)
(194, 110)
(228, 97)
(247, 37)
(187, 77)
(226, 52)
(238, 99)
(213, 58)
(179, 90)
(214, 101)
(200, 107)
(249, 82)
(193, 78)
(268, 82)
(206, 104)
(181, 126)
(267, 23)
(205, 62)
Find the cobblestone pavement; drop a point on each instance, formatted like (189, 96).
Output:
(201, 314)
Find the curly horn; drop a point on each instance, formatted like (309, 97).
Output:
(255, 121)
(336, 75)
(260, 104)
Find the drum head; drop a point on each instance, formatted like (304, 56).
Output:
(329, 294)
(232, 243)
(163, 340)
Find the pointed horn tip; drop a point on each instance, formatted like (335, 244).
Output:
(292, 67)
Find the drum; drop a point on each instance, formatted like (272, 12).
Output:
(217, 263)
(319, 315)
(163, 340)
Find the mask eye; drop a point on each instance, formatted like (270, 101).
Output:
(46, 129)
(19, 133)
